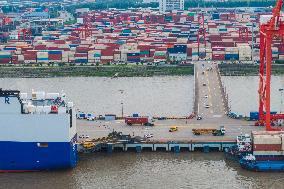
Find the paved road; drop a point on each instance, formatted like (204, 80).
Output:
(97, 129)
(209, 92)
(214, 116)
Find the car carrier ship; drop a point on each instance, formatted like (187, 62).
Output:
(37, 131)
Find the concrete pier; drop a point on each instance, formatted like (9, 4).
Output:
(191, 146)
(161, 146)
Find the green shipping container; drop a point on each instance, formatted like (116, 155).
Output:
(5, 56)
(191, 14)
(144, 52)
(97, 55)
(160, 54)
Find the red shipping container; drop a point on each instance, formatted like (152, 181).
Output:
(218, 56)
(143, 47)
(53, 48)
(218, 49)
(40, 47)
(81, 54)
(189, 51)
(59, 42)
(82, 49)
(5, 60)
(55, 56)
(267, 147)
(15, 59)
(107, 52)
(269, 158)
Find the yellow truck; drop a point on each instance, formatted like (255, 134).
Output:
(88, 145)
(216, 132)
(173, 129)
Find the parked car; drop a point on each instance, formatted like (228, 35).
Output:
(207, 106)
(148, 135)
(199, 118)
(84, 136)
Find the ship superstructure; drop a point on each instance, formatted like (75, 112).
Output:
(37, 131)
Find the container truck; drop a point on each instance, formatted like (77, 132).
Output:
(215, 132)
(138, 120)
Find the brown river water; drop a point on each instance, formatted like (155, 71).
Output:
(165, 170)
(172, 96)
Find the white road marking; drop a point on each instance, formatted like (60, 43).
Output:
(217, 115)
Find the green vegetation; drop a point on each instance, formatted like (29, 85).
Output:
(99, 71)
(247, 69)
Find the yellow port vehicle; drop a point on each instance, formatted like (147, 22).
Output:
(173, 129)
(88, 145)
(215, 132)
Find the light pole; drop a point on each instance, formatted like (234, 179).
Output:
(281, 100)
(121, 92)
(121, 109)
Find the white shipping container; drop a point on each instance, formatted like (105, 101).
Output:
(267, 139)
(268, 153)
(281, 57)
(64, 59)
(42, 54)
(21, 58)
(264, 19)
(282, 139)
(116, 57)
(106, 57)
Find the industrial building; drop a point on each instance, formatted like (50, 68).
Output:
(170, 5)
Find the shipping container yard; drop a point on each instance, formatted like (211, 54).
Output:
(161, 80)
(137, 36)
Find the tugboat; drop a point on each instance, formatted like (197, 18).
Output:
(242, 148)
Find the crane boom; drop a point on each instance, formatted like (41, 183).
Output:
(273, 28)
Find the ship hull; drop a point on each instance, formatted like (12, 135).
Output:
(28, 156)
(262, 166)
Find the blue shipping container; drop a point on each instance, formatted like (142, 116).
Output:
(231, 56)
(255, 115)
(81, 61)
(215, 16)
(54, 52)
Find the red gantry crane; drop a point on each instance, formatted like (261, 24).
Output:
(26, 33)
(85, 30)
(201, 33)
(268, 31)
(244, 34)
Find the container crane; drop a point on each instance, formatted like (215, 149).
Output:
(274, 28)
(26, 33)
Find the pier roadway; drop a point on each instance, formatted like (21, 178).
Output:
(210, 103)
(98, 129)
(210, 106)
